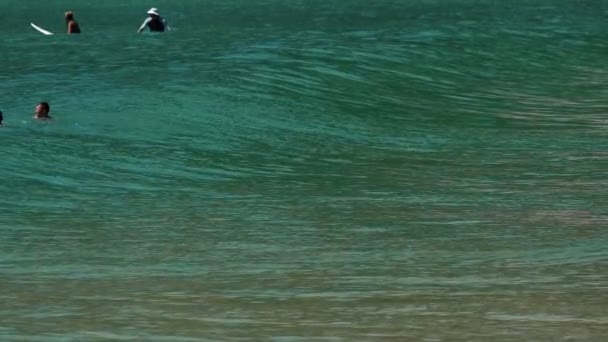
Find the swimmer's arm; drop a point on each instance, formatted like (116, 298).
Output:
(166, 24)
(71, 27)
(143, 26)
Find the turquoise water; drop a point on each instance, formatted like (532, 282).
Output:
(305, 170)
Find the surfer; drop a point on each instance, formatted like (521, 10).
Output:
(154, 22)
(72, 24)
(42, 111)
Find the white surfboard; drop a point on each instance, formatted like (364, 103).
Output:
(41, 30)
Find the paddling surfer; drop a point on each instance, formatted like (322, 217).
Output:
(154, 22)
(73, 26)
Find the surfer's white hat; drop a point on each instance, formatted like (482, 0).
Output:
(153, 11)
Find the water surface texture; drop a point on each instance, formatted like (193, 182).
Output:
(305, 171)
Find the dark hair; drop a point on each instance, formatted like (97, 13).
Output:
(46, 106)
(69, 16)
(1, 118)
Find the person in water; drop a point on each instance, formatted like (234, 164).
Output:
(154, 22)
(1, 118)
(42, 111)
(71, 23)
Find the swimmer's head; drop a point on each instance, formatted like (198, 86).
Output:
(43, 109)
(69, 16)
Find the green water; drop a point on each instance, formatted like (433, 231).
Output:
(305, 170)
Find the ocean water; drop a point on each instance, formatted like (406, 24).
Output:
(414, 170)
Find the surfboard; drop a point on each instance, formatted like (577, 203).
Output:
(41, 30)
